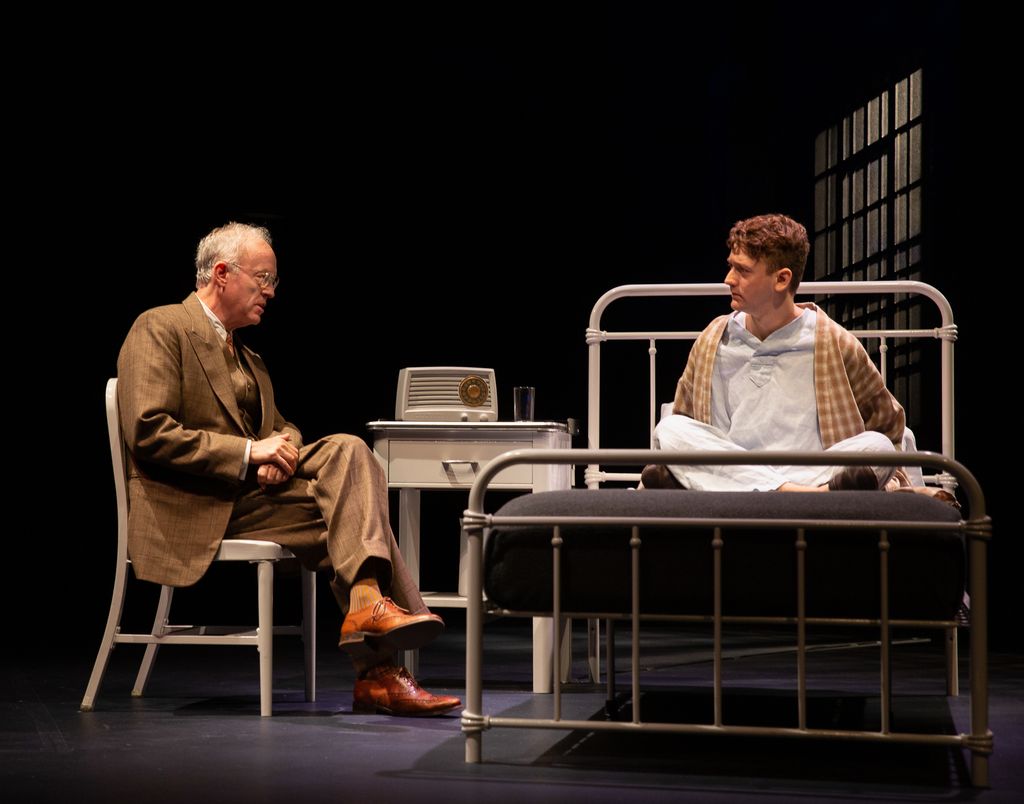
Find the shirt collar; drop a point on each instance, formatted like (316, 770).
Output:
(738, 326)
(217, 323)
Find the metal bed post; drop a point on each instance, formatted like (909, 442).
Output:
(473, 720)
(634, 548)
(652, 351)
(801, 627)
(886, 634)
(716, 546)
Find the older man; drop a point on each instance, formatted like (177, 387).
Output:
(212, 458)
(777, 375)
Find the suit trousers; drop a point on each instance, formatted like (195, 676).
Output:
(333, 512)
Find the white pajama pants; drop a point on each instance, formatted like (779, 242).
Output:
(677, 432)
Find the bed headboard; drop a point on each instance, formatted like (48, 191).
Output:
(946, 333)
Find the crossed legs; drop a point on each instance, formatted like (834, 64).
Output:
(682, 433)
(333, 513)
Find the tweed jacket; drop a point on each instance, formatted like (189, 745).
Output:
(185, 439)
(848, 389)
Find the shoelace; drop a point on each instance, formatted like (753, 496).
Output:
(380, 608)
(399, 673)
(407, 680)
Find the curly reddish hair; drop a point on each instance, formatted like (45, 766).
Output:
(778, 240)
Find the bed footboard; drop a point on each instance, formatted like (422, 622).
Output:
(895, 533)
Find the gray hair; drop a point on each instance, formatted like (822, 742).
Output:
(225, 243)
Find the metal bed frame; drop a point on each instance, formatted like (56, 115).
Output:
(946, 334)
(976, 529)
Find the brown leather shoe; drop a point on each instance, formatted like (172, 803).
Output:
(393, 691)
(388, 621)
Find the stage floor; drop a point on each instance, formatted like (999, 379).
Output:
(197, 736)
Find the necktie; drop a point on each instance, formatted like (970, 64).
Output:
(231, 344)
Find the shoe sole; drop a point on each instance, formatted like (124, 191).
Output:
(404, 637)
(376, 709)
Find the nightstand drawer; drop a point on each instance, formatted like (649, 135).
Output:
(450, 464)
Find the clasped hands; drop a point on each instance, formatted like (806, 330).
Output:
(275, 458)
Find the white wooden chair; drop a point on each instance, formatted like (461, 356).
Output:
(262, 553)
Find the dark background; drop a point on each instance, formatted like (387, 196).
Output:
(453, 187)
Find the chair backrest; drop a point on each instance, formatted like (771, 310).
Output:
(118, 464)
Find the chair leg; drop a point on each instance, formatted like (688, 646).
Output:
(265, 633)
(309, 630)
(160, 619)
(99, 668)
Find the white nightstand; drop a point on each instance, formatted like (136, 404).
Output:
(448, 455)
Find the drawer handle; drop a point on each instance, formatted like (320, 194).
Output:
(448, 463)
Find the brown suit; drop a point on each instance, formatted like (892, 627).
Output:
(186, 441)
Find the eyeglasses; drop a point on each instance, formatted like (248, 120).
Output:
(264, 279)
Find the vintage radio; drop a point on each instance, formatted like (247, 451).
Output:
(446, 394)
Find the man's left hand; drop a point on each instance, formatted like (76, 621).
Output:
(269, 474)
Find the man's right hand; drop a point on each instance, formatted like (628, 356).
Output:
(277, 450)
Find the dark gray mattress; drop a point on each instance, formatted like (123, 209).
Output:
(926, 568)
